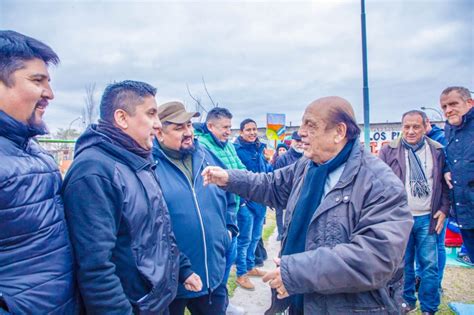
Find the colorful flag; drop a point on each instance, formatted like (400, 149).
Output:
(276, 126)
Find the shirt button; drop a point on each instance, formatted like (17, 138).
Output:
(346, 198)
(457, 203)
(457, 140)
(337, 199)
(455, 182)
(455, 161)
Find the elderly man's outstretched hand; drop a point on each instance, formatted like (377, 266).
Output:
(215, 175)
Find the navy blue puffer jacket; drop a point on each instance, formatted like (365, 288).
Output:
(36, 263)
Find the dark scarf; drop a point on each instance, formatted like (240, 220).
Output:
(419, 187)
(309, 200)
(121, 139)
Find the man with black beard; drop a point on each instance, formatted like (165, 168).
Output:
(36, 263)
(203, 218)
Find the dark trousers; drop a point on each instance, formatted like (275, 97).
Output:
(468, 241)
(279, 219)
(260, 253)
(214, 303)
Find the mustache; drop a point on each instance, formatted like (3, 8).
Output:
(42, 103)
(184, 138)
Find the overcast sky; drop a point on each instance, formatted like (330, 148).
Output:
(256, 57)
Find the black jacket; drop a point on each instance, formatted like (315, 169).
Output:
(120, 229)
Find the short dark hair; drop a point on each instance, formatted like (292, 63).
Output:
(125, 95)
(218, 113)
(338, 115)
(416, 112)
(16, 48)
(464, 92)
(246, 121)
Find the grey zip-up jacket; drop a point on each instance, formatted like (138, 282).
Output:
(355, 243)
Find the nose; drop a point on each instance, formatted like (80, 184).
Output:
(188, 131)
(48, 92)
(157, 123)
(301, 132)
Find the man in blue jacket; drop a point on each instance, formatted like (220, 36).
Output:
(126, 253)
(457, 105)
(203, 218)
(251, 217)
(36, 263)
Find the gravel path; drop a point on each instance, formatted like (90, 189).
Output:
(258, 301)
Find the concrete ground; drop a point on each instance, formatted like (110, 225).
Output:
(258, 301)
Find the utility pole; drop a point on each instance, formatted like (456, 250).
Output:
(366, 79)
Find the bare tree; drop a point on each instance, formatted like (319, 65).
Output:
(199, 108)
(209, 95)
(89, 111)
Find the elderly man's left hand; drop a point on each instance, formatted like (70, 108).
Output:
(275, 281)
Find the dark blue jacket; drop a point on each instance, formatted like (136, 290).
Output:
(437, 134)
(460, 160)
(288, 158)
(200, 216)
(120, 229)
(36, 262)
(251, 154)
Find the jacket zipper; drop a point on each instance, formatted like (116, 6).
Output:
(199, 215)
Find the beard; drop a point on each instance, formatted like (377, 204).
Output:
(37, 124)
(298, 150)
(188, 150)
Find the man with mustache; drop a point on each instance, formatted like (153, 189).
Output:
(419, 162)
(36, 263)
(203, 218)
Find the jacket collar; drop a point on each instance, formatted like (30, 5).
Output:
(465, 119)
(16, 131)
(91, 137)
(253, 146)
(197, 156)
(352, 167)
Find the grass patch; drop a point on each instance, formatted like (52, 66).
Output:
(231, 285)
(270, 225)
(457, 285)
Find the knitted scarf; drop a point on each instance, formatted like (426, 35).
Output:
(419, 187)
(309, 200)
(121, 139)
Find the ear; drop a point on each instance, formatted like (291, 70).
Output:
(121, 118)
(470, 102)
(341, 130)
(209, 125)
(159, 134)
